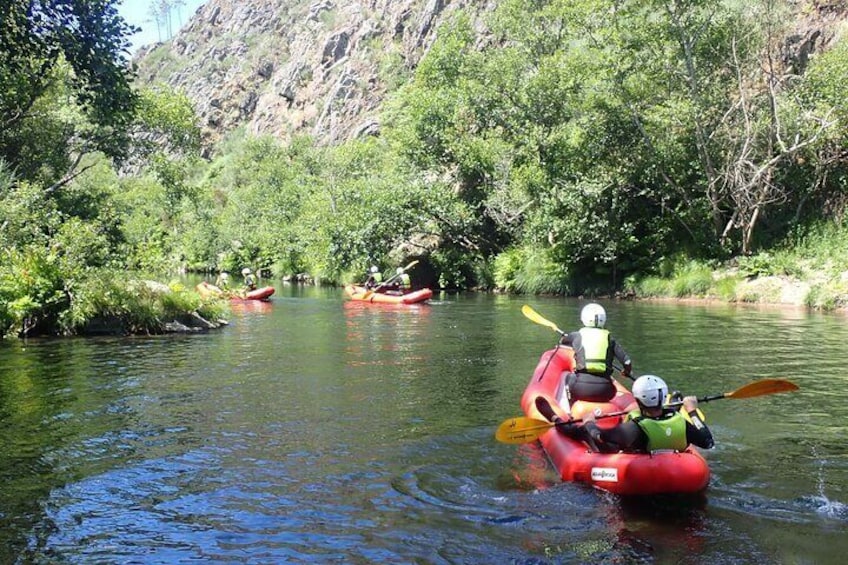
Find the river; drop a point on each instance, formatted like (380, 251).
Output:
(316, 430)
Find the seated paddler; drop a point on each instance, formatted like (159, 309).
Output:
(653, 427)
(594, 352)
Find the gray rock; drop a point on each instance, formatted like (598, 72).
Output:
(284, 68)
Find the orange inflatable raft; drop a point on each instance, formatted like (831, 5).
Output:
(356, 292)
(666, 472)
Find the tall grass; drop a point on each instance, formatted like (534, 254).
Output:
(818, 256)
(689, 279)
(530, 271)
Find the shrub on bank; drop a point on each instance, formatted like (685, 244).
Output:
(756, 280)
(35, 299)
(693, 279)
(113, 305)
(531, 271)
(828, 295)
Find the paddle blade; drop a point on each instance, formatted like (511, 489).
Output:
(534, 316)
(761, 388)
(521, 429)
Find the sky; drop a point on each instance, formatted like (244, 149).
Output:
(137, 13)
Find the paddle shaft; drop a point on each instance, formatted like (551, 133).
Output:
(390, 279)
(525, 429)
(757, 388)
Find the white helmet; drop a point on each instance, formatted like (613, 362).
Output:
(400, 270)
(374, 269)
(245, 271)
(650, 391)
(593, 316)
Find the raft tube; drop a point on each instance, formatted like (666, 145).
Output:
(256, 294)
(356, 292)
(207, 290)
(665, 472)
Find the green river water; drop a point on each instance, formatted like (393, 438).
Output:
(317, 430)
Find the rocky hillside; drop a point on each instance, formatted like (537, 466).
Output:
(281, 67)
(322, 67)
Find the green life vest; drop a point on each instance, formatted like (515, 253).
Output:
(669, 433)
(377, 277)
(405, 281)
(595, 343)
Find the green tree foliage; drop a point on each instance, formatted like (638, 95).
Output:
(165, 123)
(527, 131)
(824, 165)
(453, 123)
(611, 134)
(67, 107)
(574, 145)
(329, 212)
(49, 255)
(35, 38)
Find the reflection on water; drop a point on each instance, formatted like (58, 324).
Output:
(315, 429)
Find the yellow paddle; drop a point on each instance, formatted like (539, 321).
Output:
(756, 388)
(524, 429)
(387, 281)
(534, 316)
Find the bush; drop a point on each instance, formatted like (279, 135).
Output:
(652, 287)
(32, 292)
(725, 288)
(828, 295)
(506, 268)
(541, 275)
(693, 280)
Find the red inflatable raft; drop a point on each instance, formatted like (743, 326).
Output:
(356, 292)
(257, 294)
(207, 290)
(663, 472)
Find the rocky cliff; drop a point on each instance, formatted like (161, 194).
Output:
(322, 67)
(282, 67)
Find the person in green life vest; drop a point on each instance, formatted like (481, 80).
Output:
(223, 280)
(651, 428)
(375, 277)
(594, 352)
(401, 283)
(405, 283)
(249, 279)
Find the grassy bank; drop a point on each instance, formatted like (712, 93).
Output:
(810, 270)
(109, 303)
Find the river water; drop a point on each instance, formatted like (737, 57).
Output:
(316, 430)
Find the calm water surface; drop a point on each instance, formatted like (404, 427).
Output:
(314, 430)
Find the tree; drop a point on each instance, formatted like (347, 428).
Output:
(156, 17)
(91, 37)
(709, 77)
(161, 13)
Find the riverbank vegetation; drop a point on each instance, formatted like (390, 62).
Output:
(807, 270)
(596, 147)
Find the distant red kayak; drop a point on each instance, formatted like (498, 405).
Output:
(207, 290)
(258, 294)
(356, 292)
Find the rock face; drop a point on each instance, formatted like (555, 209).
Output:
(322, 67)
(285, 67)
